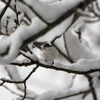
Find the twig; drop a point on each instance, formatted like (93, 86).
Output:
(93, 10)
(7, 22)
(17, 20)
(1, 33)
(72, 95)
(84, 14)
(66, 48)
(15, 92)
(4, 10)
(56, 67)
(33, 11)
(61, 53)
(55, 39)
(29, 49)
(20, 81)
(57, 22)
(12, 8)
(86, 94)
(24, 91)
(2, 83)
(91, 21)
(91, 87)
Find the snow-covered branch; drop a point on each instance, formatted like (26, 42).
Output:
(25, 34)
(15, 41)
(82, 66)
(57, 95)
(51, 12)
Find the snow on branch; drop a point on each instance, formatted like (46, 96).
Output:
(82, 66)
(25, 34)
(4, 80)
(51, 12)
(14, 42)
(61, 94)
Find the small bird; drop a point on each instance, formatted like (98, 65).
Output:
(48, 52)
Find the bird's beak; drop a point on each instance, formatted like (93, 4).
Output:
(37, 46)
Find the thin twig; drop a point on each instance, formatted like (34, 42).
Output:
(33, 11)
(20, 81)
(72, 95)
(58, 68)
(57, 22)
(65, 56)
(12, 8)
(29, 49)
(2, 83)
(7, 22)
(66, 48)
(24, 91)
(4, 10)
(15, 92)
(17, 20)
(91, 87)
(34, 69)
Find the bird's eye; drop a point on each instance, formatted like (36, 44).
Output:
(47, 45)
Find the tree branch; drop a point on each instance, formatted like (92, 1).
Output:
(72, 95)
(70, 68)
(20, 81)
(91, 87)
(4, 10)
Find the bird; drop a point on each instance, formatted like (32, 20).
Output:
(48, 52)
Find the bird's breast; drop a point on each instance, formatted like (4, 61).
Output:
(49, 54)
